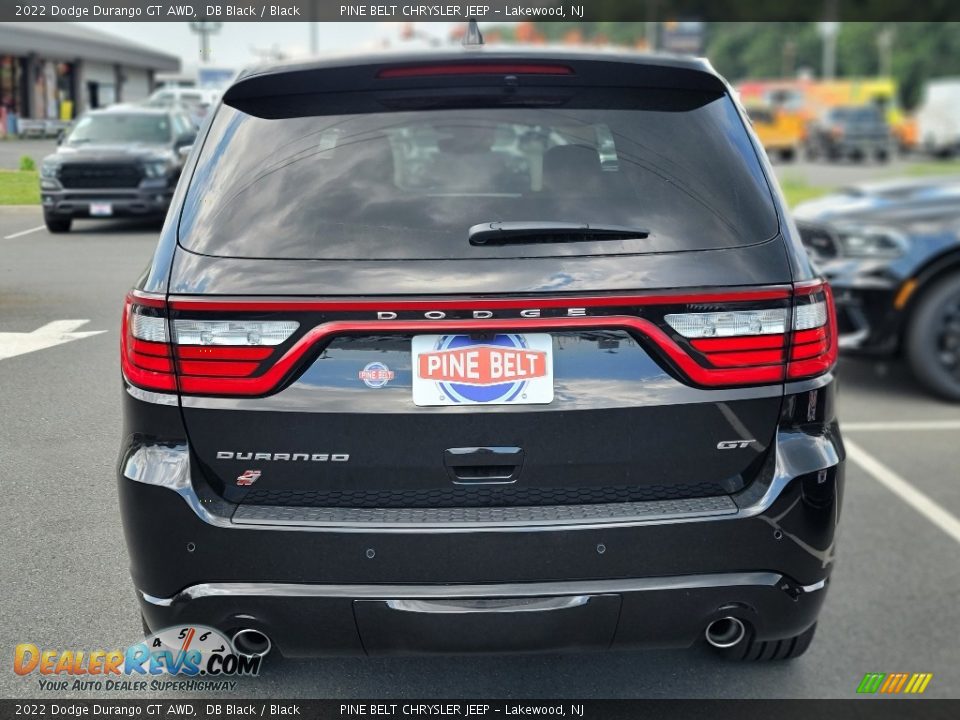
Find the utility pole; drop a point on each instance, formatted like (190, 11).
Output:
(788, 65)
(829, 29)
(885, 51)
(205, 30)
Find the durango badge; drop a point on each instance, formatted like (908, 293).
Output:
(502, 370)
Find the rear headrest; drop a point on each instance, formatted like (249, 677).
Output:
(571, 168)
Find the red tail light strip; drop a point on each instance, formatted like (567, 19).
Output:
(726, 361)
(265, 383)
(751, 342)
(222, 352)
(280, 304)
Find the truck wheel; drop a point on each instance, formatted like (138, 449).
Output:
(57, 225)
(933, 338)
(786, 649)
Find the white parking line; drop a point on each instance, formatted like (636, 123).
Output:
(24, 232)
(903, 425)
(919, 501)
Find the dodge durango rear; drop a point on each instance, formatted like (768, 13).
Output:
(481, 351)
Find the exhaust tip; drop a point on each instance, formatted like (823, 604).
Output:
(725, 632)
(251, 643)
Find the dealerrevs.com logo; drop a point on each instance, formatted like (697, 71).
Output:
(192, 657)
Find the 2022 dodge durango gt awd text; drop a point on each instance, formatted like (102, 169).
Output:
(481, 351)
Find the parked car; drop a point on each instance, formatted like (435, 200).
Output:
(851, 132)
(938, 117)
(898, 197)
(122, 161)
(472, 351)
(895, 270)
(196, 102)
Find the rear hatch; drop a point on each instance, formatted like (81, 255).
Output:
(479, 284)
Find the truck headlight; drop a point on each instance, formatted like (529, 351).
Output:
(48, 169)
(156, 168)
(872, 242)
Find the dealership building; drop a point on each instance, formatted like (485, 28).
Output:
(50, 72)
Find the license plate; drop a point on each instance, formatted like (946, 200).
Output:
(101, 209)
(506, 369)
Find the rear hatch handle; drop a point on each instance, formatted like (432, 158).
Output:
(494, 465)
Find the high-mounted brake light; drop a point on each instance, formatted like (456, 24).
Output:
(475, 69)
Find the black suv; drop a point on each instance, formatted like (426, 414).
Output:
(481, 351)
(891, 251)
(123, 161)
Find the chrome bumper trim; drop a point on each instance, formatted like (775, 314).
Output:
(150, 396)
(473, 518)
(575, 588)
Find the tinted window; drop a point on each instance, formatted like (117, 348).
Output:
(410, 184)
(121, 128)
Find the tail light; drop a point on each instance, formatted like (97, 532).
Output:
(201, 354)
(727, 339)
(762, 345)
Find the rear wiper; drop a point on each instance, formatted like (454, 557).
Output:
(538, 231)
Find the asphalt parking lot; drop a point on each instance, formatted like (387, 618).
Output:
(892, 606)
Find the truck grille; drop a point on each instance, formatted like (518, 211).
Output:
(100, 176)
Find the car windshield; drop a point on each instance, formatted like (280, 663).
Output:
(121, 128)
(861, 115)
(411, 185)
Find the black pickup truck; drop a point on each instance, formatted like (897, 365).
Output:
(123, 161)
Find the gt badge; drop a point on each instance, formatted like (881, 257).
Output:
(248, 478)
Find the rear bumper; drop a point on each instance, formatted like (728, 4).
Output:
(304, 619)
(650, 575)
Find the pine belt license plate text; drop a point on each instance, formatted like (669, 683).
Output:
(503, 369)
(101, 209)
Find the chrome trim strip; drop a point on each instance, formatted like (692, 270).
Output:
(150, 396)
(500, 590)
(143, 293)
(853, 340)
(169, 467)
(504, 605)
(479, 518)
(820, 585)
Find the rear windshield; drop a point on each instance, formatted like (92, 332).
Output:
(677, 165)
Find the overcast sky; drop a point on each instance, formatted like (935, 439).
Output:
(237, 42)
